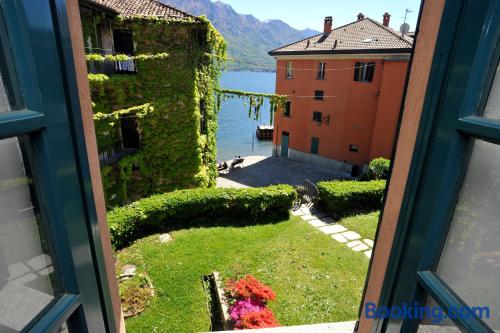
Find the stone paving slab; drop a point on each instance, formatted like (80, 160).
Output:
(332, 229)
(317, 223)
(361, 247)
(339, 238)
(368, 242)
(327, 220)
(351, 235)
(309, 217)
(354, 243)
(368, 253)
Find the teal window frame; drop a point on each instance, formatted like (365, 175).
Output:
(56, 152)
(451, 120)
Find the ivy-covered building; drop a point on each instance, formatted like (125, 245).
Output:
(153, 71)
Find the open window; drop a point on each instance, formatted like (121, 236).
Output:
(363, 71)
(131, 139)
(124, 44)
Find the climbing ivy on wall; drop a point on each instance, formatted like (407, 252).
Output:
(255, 101)
(173, 89)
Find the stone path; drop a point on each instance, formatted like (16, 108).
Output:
(326, 225)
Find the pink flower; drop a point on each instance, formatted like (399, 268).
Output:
(242, 307)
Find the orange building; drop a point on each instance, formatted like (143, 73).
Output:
(344, 90)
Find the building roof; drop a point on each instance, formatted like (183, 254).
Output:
(144, 8)
(364, 36)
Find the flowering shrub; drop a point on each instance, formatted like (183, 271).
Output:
(258, 319)
(248, 298)
(243, 307)
(250, 287)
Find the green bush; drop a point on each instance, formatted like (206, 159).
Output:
(346, 198)
(379, 168)
(198, 207)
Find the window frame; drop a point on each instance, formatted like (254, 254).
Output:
(314, 145)
(468, 38)
(287, 112)
(319, 97)
(317, 117)
(364, 71)
(46, 123)
(289, 70)
(321, 72)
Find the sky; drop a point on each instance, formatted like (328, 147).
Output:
(311, 13)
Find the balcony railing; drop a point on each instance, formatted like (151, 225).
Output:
(112, 157)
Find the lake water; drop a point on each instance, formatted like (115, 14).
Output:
(236, 133)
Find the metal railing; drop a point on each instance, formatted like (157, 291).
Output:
(112, 157)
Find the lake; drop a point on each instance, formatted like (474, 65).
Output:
(236, 133)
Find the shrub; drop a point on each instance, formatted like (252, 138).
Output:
(188, 208)
(345, 198)
(248, 298)
(379, 168)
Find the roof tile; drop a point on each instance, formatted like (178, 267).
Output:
(366, 35)
(151, 8)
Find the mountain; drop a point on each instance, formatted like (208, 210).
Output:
(248, 38)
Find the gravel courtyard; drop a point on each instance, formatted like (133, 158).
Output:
(258, 171)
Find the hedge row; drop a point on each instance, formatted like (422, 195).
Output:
(345, 198)
(198, 207)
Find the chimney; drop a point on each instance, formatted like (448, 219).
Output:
(328, 25)
(361, 17)
(387, 19)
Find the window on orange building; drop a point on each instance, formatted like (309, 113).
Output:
(363, 71)
(353, 148)
(321, 71)
(317, 117)
(288, 109)
(319, 95)
(289, 73)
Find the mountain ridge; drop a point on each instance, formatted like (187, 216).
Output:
(249, 39)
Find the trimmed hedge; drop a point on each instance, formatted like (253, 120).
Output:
(346, 198)
(196, 207)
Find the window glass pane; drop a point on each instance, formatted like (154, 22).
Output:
(492, 109)
(435, 320)
(470, 261)
(4, 101)
(26, 268)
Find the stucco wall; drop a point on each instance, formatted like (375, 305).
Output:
(352, 107)
(388, 108)
(424, 52)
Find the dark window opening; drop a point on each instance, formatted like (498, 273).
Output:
(201, 36)
(319, 95)
(203, 123)
(317, 117)
(288, 109)
(314, 145)
(124, 44)
(363, 71)
(130, 134)
(353, 148)
(321, 71)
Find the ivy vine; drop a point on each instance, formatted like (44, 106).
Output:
(255, 101)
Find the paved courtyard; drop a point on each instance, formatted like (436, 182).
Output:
(258, 171)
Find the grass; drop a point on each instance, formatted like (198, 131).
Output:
(315, 278)
(364, 224)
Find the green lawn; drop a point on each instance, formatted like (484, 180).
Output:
(365, 224)
(315, 278)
